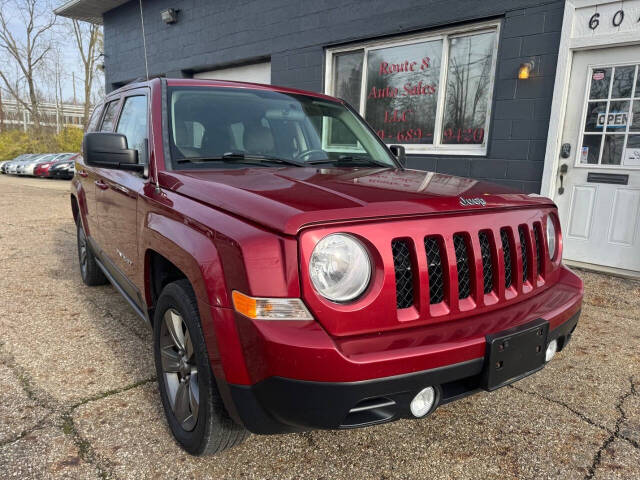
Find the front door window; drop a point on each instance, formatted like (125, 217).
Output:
(611, 127)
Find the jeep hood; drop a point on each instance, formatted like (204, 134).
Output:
(291, 198)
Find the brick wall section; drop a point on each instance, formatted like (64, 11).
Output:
(294, 33)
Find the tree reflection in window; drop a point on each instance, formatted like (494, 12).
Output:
(468, 83)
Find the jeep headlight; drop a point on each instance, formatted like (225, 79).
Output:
(551, 237)
(340, 268)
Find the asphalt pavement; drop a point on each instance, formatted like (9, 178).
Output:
(79, 398)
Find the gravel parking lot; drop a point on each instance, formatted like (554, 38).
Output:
(78, 397)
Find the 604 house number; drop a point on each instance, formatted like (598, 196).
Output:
(616, 20)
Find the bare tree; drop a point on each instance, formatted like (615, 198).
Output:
(26, 45)
(88, 39)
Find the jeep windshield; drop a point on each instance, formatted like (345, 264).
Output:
(221, 127)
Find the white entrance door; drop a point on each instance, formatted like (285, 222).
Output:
(599, 203)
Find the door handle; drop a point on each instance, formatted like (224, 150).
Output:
(563, 171)
(100, 184)
(82, 173)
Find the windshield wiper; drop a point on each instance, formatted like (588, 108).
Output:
(241, 157)
(351, 159)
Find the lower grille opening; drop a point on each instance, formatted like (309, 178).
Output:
(369, 412)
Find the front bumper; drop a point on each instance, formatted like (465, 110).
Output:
(296, 377)
(280, 405)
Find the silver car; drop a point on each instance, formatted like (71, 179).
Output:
(26, 168)
(12, 168)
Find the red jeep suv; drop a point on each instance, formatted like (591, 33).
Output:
(296, 275)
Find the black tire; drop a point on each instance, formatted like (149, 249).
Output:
(89, 269)
(210, 430)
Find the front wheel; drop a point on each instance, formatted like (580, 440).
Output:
(190, 397)
(89, 269)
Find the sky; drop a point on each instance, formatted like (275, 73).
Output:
(62, 42)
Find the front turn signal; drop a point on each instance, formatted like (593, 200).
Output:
(270, 308)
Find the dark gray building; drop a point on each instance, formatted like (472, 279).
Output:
(439, 76)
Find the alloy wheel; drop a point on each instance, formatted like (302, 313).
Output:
(82, 251)
(179, 369)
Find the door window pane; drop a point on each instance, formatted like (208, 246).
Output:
(590, 151)
(468, 82)
(612, 149)
(109, 117)
(402, 91)
(635, 117)
(133, 124)
(347, 77)
(600, 79)
(618, 116)
(596, 116)
(623, 81)
(632, 152)
(612, 117)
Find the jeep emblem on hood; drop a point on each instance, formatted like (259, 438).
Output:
(467, 202)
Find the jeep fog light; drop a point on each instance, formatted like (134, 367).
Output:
(552, 348)
(270, 308)
(423, 402)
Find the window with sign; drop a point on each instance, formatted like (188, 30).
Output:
(430, 93)
(611, 128)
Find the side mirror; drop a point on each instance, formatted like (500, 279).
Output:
(110, 150)
(399, 153)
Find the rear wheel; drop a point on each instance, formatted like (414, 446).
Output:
(89, 269)
(190, 397)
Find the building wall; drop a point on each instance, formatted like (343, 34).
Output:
(293, 34)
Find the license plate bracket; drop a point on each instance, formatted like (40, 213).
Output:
(515, 353)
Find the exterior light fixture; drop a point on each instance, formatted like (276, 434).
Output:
(169, 15)
(524, 72)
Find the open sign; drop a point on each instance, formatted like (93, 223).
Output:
(613, 120)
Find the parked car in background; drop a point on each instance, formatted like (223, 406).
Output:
(5, 165)
(13, 165)
(29, 167)
(43, 168)
(64, 170)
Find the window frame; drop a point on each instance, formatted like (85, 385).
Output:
(437, 147)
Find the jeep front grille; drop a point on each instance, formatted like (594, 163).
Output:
(462, 264)
(523, 252)
(455, 260)
(537, 230)
(508, 258)
(404, 275)
(434, 267)
(487, 261)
